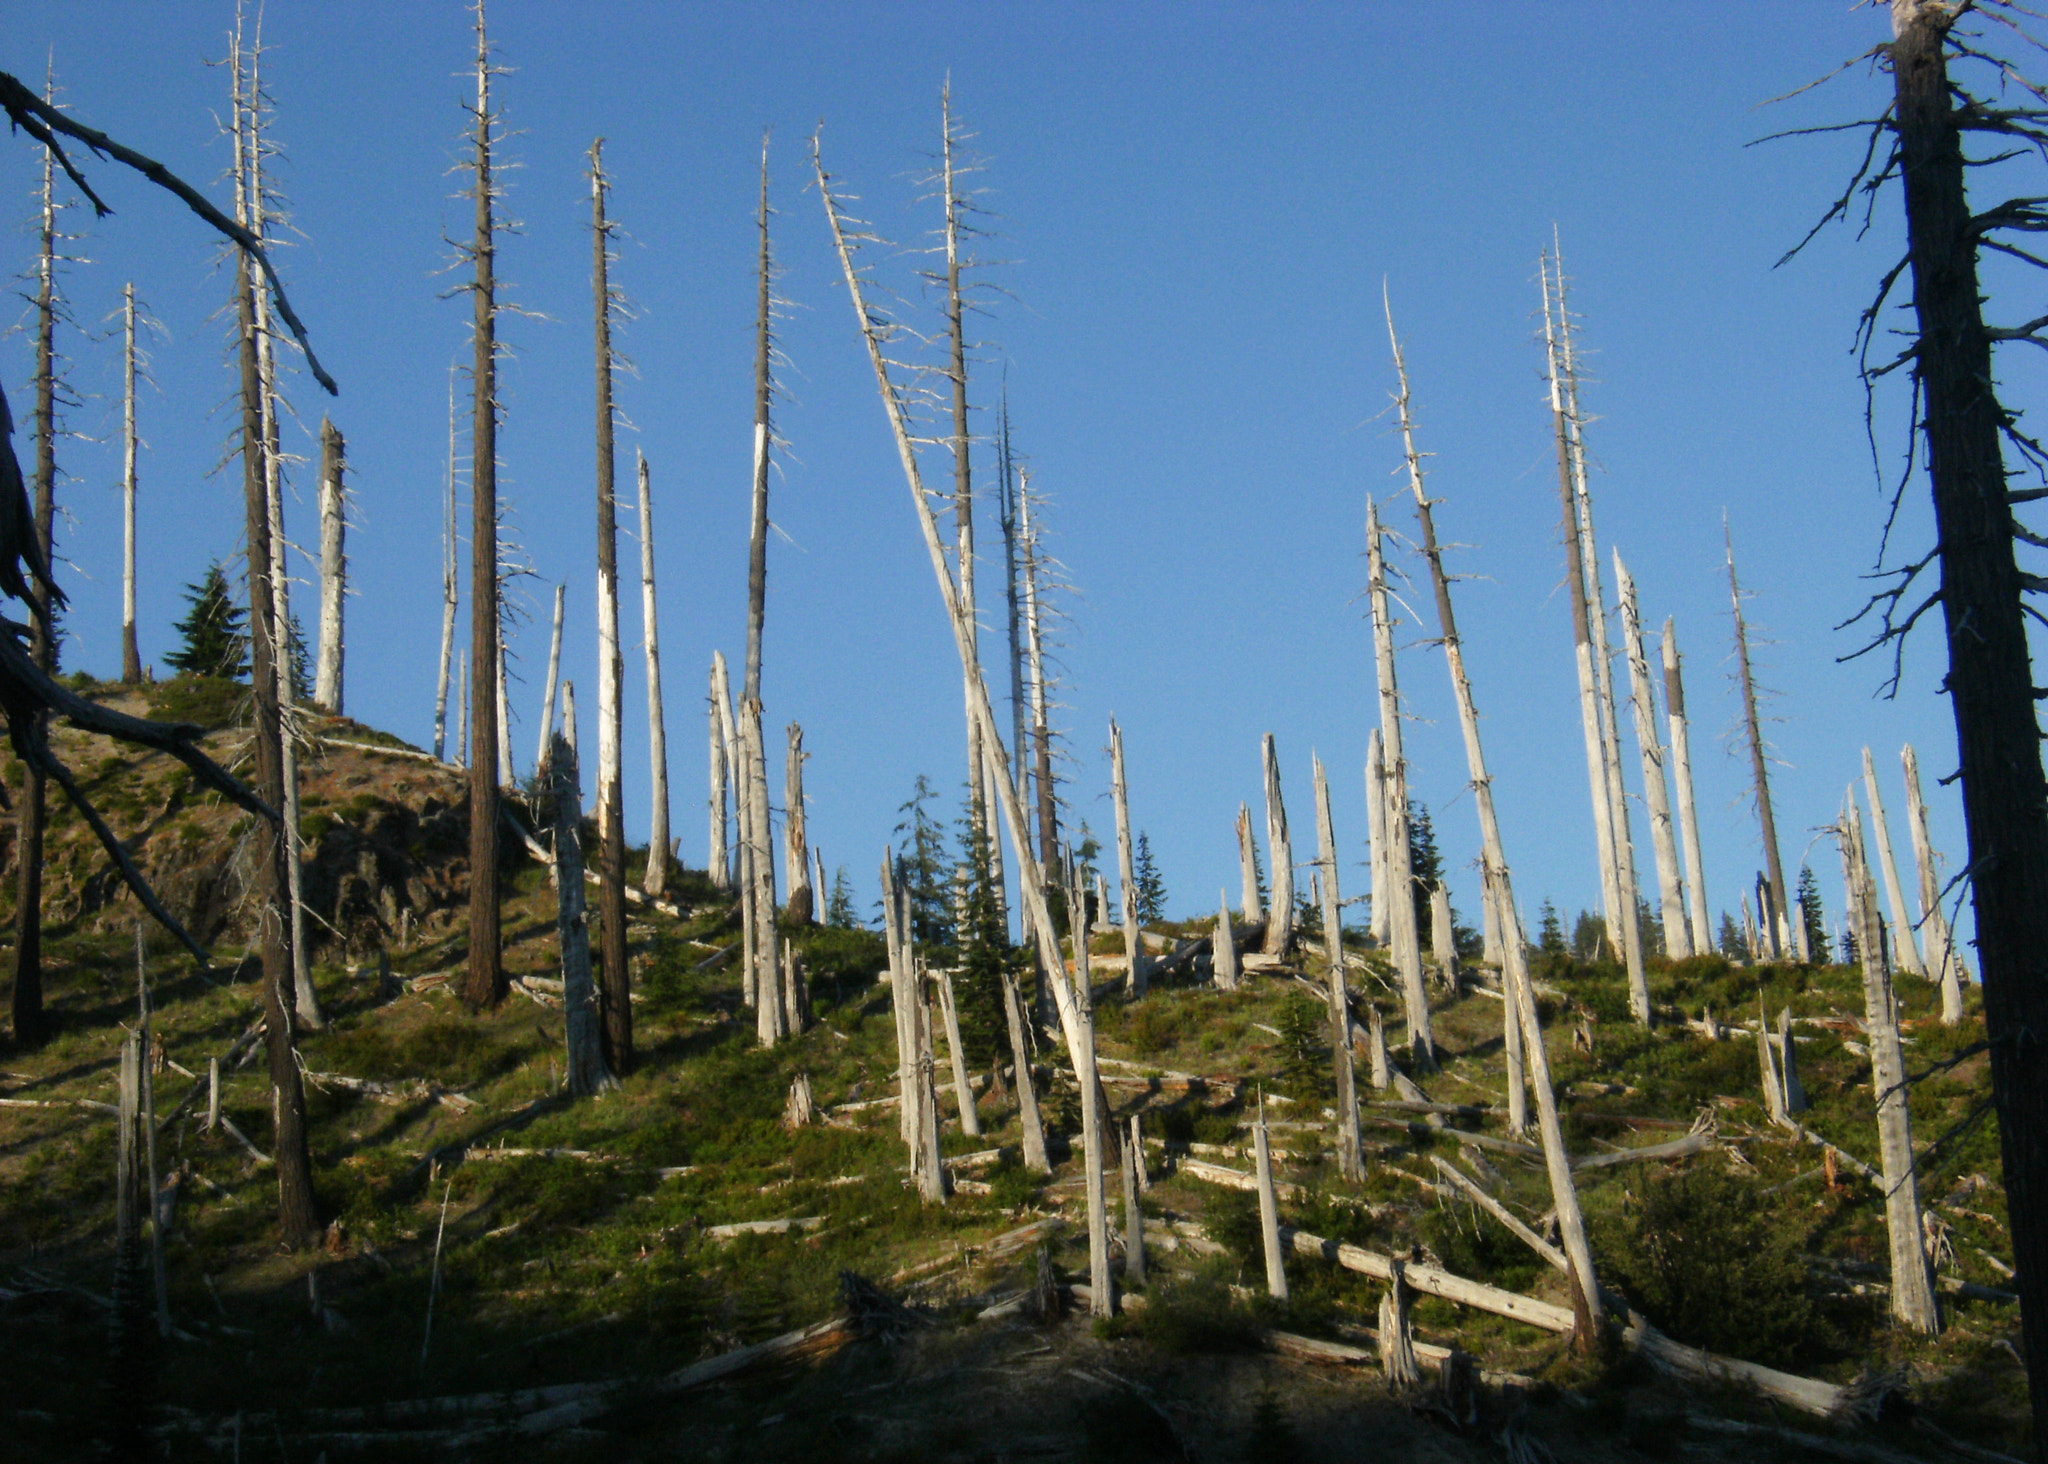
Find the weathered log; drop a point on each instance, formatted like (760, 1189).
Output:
(763, 1227)
(1550, 1253)
(1434, 1281)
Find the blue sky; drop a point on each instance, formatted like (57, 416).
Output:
(1197, 209)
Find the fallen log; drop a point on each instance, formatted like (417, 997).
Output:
(1694, 1143)
(1235, 1178)
(763, 1227)
(1342, 1354)
(1809, 1395)
(1433, 1281)
(1502, 1213)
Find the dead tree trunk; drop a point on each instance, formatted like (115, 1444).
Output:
(1350, 1158)
(1904, 951)
(582, 1011)
(1406, 939)
(931, 1159)
(658, 843)
(450, 595)
(1443, 938)
(1681, 769)
(758, 875)
(131, 656)
(1912, 1294)
(327, 687)
(296, 1217)
(796, 858)
(1941, 959)
(1775, 928)
(485, 984)
(1509, 928)
(1657, 794)
(718, 850)
(963, 1091)
(1127, 878)
(1102, 1298)
(1269, 1211)
(1376, 809)
(1028, 1119)
(764, 440)
(1280, 916)
(554, 679)
(1013, 568)
(1223, 947)
(896, 937)
(1516, 987)
(615, 985)
(1250, 904)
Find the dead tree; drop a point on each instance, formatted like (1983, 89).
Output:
(963, 1091)
(131, 655)
(718, 851)
(1127, 878)
(1940, 945)
(1376, 809)
(1350, 1157)
(1250, 903)
(1681, 770)
(1912, 1293)
(1030, 1123)
(1903, 950)
(796, 858)
(1782, 935)
(554, 678)
(1223, 947)
(581, 1008)
(451, 598)
(1515, 983)
(1404, 937)
(1656, 791)
(1589, 625)
(615, 984)
(1280, 915)
(1009, 506)
(1269, 1210)
(1035, 614)
(327, 687)
(658, 846)
(485, 983)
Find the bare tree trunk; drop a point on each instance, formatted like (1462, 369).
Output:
(131, 655)
(963, 1091)
(450, 598)
(1280, 915)
(931, 1159)
(1941, 957)
(1376, 809)
(485, 984)
(757, 879)
(1134, 1213)
(1028, 1119)
(1350, 1157)
(796, 858)
(581, 1008)
(896, 935)
(1511, 1028)
(327, 689)
(658, 843)
(462, 708)
(1905, 952)
(718, 851)
(554, 679)
(764, 439)
(1102, 1284)
(1760, 786)
(1249, 904)
(1681, 768)
(1269, 1211)
(615, 984)
(1657, 794)
(1223, 947)
(1443, 938)
(1406, 939)
(1013, 568)
(296, 1217)
(1912, 1294)
(1127, 879)
(1516, 987)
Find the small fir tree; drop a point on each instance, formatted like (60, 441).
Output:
(922, 868)
(839, 907)
(985, 951)
(1589, 936)
(1550, 933)
(1732, 944)
(1151, 888)
(1811, 911)
(1426, 863)
(214, 636)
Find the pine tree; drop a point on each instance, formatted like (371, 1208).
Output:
(1550, 932)
(1730, 939)
(1811, 911)
(985, 951)
(1151, 887)
(301, 662)
(839, 908)
(214, 632)
(1425, 863)
(922, 869)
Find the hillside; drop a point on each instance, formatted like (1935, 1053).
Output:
(489, 1238)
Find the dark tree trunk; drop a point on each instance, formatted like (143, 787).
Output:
(615, 984)
(296, 1217)
(764, 432)
(1990, 680)
(486, 982)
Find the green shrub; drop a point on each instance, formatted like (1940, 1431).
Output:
(1472, 1243)
(1713, 1262)
(1198, 1313)
(211, 702)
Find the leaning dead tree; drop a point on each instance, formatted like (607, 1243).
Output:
(1521, 1013)
(876, 329)
(615, 984)
(451, 594)
(485, 983)
(1127, 878)
(1782, 934)
(1350, 1157)
(1940, 946)
(658, 849)
(1965, 430)
(1589, 631)
(1681, 771)
(1903, 951)
(1404, 936)
(1656, 790)
(131, 441)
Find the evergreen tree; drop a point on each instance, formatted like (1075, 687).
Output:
(1151, 888)
(985, 952)
(1731, 942)
(1427, 865)
(214, 632)
(1811, 910)
(1550, 932)
(839, 908)
(1589, 936)
(300, 662)
(922, 868)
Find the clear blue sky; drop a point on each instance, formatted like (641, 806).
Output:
(1197, 208)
